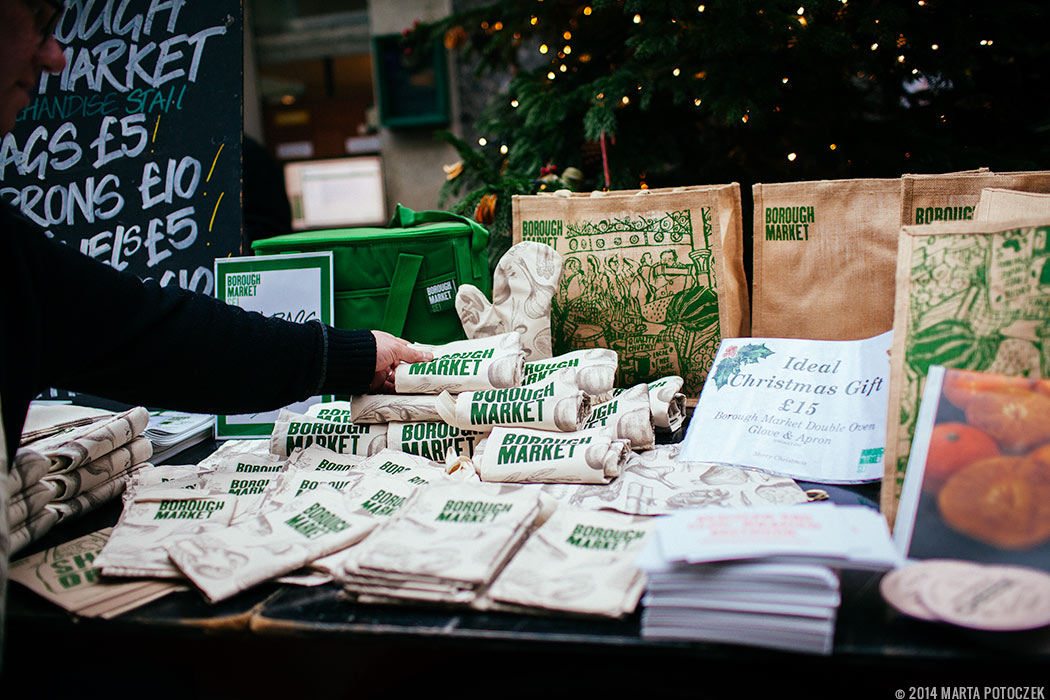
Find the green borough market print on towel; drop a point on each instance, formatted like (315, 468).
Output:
(644, 286)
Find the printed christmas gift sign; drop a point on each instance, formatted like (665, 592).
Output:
(807, 409)
(656, 275)
(973, 296)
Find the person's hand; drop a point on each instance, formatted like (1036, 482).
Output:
(390, 352)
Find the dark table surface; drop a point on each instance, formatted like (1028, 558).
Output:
(277, 639)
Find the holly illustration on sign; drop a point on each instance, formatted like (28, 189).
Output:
(734, 357)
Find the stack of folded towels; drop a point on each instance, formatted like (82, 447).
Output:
(70, 460)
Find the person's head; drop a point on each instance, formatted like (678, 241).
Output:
(27, 48)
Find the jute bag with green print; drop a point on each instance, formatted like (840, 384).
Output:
(824, 258)
(656, 275)
(970, 295)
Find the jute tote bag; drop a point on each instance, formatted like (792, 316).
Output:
(926, 199)
(970, 295)
(1003, 205)
(825, 254)
(656, 275)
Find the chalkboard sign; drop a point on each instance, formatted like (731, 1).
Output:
(132, 154)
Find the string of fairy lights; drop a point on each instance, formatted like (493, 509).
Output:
(561, 51)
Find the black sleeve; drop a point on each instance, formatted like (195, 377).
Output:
(86, 327)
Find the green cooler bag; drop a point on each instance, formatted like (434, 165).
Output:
(402, 279)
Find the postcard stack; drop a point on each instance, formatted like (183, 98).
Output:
(758, 576)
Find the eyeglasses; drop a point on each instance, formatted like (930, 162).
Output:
(46, 14)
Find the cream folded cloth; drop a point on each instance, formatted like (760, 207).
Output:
(250, 490)
(29, 468)
(27, 503)
(320, 458)
(67, 576)
(387, 462)
(167, 476)
(555, 405)
(32, 529)
(667, 402)
(449, 540)
(593, 371)
(72, 492)
(579, 561)
(88, 501)
(76, 446)
(254, 446)
(335, 411)
(251, 464)
(654, 482)
(316, 523)
(153, 520)
(379, 494)
(70, 484)
(626, 416)
(523, 284)
(292, 430)
(464, 365)
(295, 483)
(394, 408)
(43, 420)
(433, 439)
(521, 455)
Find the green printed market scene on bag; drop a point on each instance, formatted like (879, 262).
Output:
(641, 285)
(401, 279)
(977, 302)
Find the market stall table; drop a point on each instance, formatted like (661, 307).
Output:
(276, 639)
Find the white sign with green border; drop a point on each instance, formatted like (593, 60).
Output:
(293, 286)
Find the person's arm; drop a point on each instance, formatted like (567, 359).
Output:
(108, 333)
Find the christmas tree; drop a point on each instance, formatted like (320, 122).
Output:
(637, 94)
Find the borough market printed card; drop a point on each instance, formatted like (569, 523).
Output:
(293, 286)
(807, 409)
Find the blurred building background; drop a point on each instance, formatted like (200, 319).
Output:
(310, 89)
